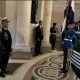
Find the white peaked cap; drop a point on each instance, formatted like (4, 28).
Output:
(4, 18)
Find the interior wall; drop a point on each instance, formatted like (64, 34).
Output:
(58, 13)
(2, 8)
(57, 16)
(77, 11)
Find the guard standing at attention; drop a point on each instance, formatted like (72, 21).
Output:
(7, 44)
(53, 31)
(67, 43)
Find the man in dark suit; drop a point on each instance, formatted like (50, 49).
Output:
(7, 45)
(38, 38)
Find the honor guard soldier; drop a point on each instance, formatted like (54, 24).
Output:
(6, 43)
(67, 43)
(53, 31)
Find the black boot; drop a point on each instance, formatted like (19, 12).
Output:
(2, 75)
(63, 70)
(6, 72)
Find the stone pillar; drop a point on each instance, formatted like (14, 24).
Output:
(47, 22)
(23, 25)
(42, 9)
(11, 14)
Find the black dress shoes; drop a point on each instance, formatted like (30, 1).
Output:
(40, 53)
(63, 70)
(2, 75)
(6, 72)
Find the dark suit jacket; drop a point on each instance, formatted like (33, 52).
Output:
(39, 33)
(7, 40)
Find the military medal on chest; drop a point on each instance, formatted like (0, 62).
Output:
(6, 36)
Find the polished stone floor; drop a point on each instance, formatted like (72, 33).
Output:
(42, 67)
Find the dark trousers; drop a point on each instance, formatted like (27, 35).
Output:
(73, 41)
(65, 58)
(52, 41)
(5, 61)
(53, 45)
(38, 47)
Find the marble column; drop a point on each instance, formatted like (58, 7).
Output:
(23, 25)
(47, 22)
(42, 9)
(11, 14)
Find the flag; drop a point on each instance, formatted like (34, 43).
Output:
(68, 13)
(75, 58)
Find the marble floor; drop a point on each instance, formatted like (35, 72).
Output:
(22, 69)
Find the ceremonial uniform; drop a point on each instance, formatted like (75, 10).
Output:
(76, 28)
(79, 26)
(1, 49)
(52, 37)
(69, 34)
(7, 42)
(67, 44)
